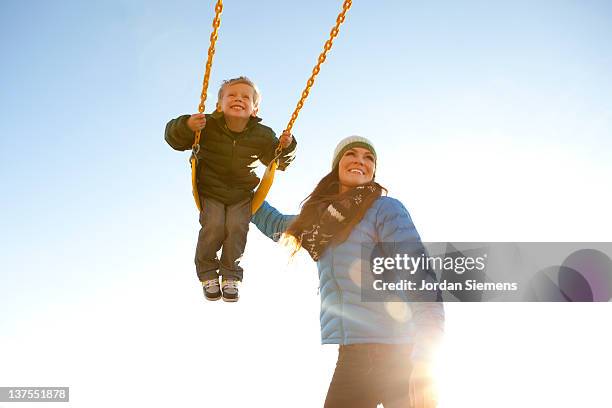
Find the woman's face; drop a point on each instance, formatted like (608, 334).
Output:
(356, 167)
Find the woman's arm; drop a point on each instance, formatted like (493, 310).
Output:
(396, 229)
(270, 221)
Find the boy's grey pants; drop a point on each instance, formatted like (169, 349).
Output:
(223, 226)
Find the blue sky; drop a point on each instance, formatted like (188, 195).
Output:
(492, 121)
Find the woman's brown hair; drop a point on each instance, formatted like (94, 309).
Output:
(326, 192)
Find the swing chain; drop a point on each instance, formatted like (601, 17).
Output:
(211, 53)
(328, 45)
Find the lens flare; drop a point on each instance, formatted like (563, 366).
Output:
(399, 311)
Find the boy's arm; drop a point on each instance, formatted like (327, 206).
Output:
(178, 134)
(286, 157)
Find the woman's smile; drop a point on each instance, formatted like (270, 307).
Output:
(356, 167)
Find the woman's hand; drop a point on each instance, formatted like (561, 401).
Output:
(423, 393)
(196, 122)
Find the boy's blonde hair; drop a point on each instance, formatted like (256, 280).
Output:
(240, 80)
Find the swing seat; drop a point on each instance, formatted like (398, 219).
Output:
(264, 187)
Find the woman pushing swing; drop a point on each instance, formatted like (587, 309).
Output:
(382, 358)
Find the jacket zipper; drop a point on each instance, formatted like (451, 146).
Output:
(233, 153)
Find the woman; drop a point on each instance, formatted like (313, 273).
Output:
(383, 358)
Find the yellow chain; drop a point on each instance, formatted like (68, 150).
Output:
(328, 44)
(211, 53)
(196, 142)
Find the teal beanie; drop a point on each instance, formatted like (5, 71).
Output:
(348, 143)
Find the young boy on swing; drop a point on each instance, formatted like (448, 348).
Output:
(232, 140)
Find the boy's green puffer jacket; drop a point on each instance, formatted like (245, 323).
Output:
(226, 159)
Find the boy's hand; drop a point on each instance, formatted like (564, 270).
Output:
(286, 139)
(196, 122)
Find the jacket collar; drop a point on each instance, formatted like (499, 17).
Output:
(220, 118)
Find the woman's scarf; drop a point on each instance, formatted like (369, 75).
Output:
(337, 215)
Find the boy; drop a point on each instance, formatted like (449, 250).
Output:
(232, 140)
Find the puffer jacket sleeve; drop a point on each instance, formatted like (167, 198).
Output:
(178, 135)
(270, 221)
(396, 229)
(286, 156)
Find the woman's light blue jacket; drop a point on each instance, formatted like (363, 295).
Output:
(345, 318)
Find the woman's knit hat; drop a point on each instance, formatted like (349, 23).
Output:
(348, 143)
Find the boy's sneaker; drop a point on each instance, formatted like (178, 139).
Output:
(211, 289)
(230, 290)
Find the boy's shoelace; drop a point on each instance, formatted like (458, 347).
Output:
(211, 284)
(230, 284)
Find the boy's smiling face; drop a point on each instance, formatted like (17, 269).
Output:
(238, 101)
